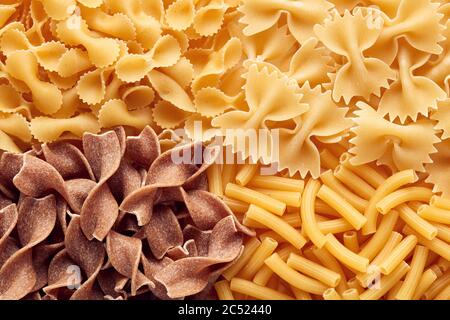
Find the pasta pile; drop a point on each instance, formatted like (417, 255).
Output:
(111, 219)
(357, 90)
(356, 233)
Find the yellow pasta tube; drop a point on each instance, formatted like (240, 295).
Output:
(440, 202)
(330, 180)
(444, 294)
(406, 291)
(425, 282)
(264, 274)
(214, 176)
(256, 291)
(436, 245)
(314, 270)
(354, 284)
(388, 186)
(272, 234)
(398, 197)
(420, 225)
(330, 262)
(344, 255)
(393, 292)
(276, 224)
(351, 240)
(331, 294)
(443, 232)
(290, 198)
(443, 264)
(322, 208)
(434, 214)
(351, 294)
(228, 174)
(379, 239)
(223, 290)
(397, 255)
(293, 277)
(246, 221)
(250, 196)
(348, 212)
(277, 183)
(354, 182)
(308, 215)
(334, 226)
(300, 294)
(265, 249)
(293, 219)
(365, 279)
(249, 248)
(246, 173)
(235, 205)
(386, 283)
(437, 286)
(328, 160)
(372, 176)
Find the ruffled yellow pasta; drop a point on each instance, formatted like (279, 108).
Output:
(378, 139)
(360, 76)
(323, 120)
(46, 129)
(115, 113)
(439, 169)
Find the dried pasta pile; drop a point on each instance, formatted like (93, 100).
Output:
(358, 91)
(111, 219)
(356, 233)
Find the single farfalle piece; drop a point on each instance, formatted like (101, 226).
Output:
(439, 170)
(91, 87)
(115, 113)
(302, 15)
(311, 63)
(134, 67)
(324, 121)
(11, 101)
(46, 129)
(180, 14)
(442, 116)
(211, 64)
(23, 65)
(410, 95)
(209, 18)
(349, 36)
(102, 51)
(274, 45)
(271, 97)
(418, 22)
(13, 127)
(407, 146)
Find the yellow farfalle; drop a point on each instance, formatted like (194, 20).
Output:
(442, 116)
(23, 66)
(102, 51)
(115, 113)
(360, 76)
(407, 146)
(415, 21)
(302, 15)
(439, 169)
(271, 97)
(410, 95)
(46, 129)
(13, 126)
(134, 67)
(323, 120)
(48, 54)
